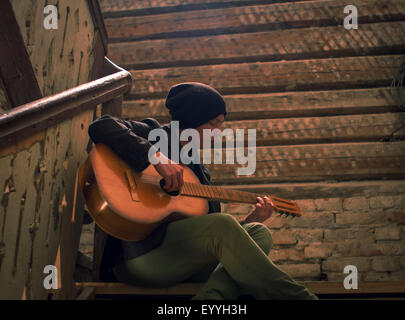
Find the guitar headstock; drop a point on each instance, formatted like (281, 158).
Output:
(286, 207)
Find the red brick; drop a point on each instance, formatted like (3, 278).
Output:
(387, 233)
(309, 235)
(284, 237)
(402, 262)
(313, 220)
(390, 248)
(396, 216)
(361, 232)
(385, 263)
(355, 204)
(338, 264)
(287, 255)
(381, 202)
(308, 271)
(377, 276)
(385, 276)
(306, 205)
(330, 205)
(351, 219)
(320, 251)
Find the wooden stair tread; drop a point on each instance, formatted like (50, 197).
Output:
(317, 287)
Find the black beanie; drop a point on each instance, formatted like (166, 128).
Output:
(193, 103)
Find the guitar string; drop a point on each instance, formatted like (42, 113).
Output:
(199, 189)
(196, 189)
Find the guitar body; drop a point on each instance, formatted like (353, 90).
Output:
(127, 204)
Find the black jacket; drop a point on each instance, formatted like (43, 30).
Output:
(128, 139)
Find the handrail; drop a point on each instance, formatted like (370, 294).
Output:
(117, 82)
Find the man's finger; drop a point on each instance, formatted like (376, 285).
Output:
(180, 177)
(268, 201)
(168, 183)
(175, 183)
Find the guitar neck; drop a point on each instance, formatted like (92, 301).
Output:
(223, 194)
(219, 193)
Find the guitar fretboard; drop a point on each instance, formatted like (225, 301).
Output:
(218, 193)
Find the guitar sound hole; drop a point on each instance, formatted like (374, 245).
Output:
(172, 193)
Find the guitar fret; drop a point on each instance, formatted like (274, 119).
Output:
(205, 191)
(187, 188)
(193, 189)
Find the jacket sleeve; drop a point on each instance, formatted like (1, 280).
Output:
(127, 138)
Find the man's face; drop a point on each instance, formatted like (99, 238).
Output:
(215, 123)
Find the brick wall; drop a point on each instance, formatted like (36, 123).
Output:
(367, 232)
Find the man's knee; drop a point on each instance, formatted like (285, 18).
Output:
(261, 234)
(224, 220)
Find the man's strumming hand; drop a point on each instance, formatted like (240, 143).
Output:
(170, 171)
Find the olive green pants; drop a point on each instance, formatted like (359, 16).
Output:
(215, 249)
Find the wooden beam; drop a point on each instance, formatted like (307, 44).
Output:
(322, 189)
(317, 162)
(240, 19)
(114, 8)
(350, 128)
(281, 105)
(265, 77)
(16, 72)
(88, 293)
(98, 19)
(302, 43)
(99, 54)
(317, 287)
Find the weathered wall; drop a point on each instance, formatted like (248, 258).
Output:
(40, 208)
(320, 98)
(61, 58)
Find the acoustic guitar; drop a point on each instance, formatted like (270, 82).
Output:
(129, 205)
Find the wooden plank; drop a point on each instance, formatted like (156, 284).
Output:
(317, 162)
(96, 13)
(239, 19)
(349, 128)
(293, 44)
(140, 7)
(88, 293)
(70, 207)
(380, 287)
(281, 104)
(264, 77)
(327, 189)
(98, 248)
(16, 71)
(260, 46)
(317, 287)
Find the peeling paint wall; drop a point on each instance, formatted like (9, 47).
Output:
(40, 206)
(61, 58)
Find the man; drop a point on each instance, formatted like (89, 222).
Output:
(230, 257)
